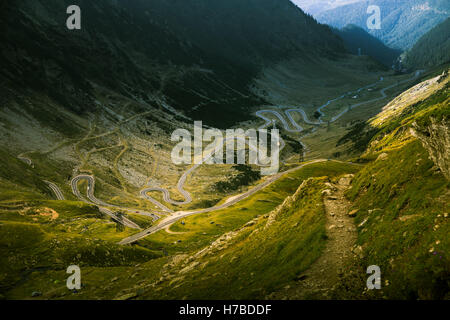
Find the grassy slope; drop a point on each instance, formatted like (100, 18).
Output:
(255, 260)
(407, 196)
(403, 202)
(200, 230)
(18, 181)
(100, 270)
(32, 241)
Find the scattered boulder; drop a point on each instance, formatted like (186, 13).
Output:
(330, 186)
(383, 156)
(346, 180)
(435, 139)
(359, 252)
(301, 277)
(353, 213)
(36, 294)
(249, 224)
(127, 296)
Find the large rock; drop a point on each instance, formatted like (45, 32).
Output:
(353, 213)
(383, 156)
(435, 138)
(346, 180)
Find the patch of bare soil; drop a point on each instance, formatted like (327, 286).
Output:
(321, 278)
(44, 212)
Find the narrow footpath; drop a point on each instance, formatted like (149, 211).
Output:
(320, 279)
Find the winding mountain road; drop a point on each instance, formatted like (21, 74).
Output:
(183, 214)
(103, 205)
(260, 113)
(181, 182)
(303, 113)
(289, 112)
(298, 129)
(91, 183)
(25, 159)
(175, 216)
(120, 219)
(58, 193)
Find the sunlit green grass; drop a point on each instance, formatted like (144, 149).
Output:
(201, 229)
(405, 232)
(260, 258)
(79, 234)
(403, 204)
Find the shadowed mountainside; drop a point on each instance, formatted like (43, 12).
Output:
(196, 56)
(356, 38)
(432, 50)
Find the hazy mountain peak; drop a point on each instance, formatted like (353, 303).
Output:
(402, 22)
(315, 6)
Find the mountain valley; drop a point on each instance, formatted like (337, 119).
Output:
(87, 178)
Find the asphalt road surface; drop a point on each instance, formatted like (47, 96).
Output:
(183, 214)
(103, 205)
(59, 195)
(179, 215)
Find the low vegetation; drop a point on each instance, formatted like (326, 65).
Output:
(402, 202)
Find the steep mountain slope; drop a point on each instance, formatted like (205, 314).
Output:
(400, 201)
(157, 52)
(104, 100)
(402, 197)
(239, 30)
(101, 104)
(403, 22)
(357, 39)
(432, 50)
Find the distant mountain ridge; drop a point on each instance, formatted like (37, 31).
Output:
(433, 49)
(315, 6)
(359, 41)
(403, 22)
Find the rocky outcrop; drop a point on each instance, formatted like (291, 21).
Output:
(435, 138)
